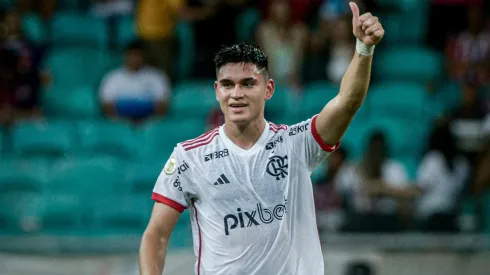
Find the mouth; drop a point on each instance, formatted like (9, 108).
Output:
(237, 107)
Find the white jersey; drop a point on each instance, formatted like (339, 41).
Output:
(252, 211)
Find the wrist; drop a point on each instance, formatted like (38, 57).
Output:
(364, 49)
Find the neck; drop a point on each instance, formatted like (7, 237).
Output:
(244, 136)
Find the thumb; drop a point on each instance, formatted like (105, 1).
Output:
(355, 13)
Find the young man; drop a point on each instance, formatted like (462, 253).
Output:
(247, 183)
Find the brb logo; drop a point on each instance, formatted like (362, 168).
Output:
(216, 155)
(277, 167)
(273, 144)
(265, 215)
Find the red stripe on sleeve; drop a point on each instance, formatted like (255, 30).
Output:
(319, 140)
(161, 199)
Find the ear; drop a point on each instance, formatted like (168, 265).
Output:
(216, 90)
(269, 89)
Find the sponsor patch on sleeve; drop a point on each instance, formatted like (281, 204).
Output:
(170, 166)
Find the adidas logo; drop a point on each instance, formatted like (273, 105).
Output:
(221, 180)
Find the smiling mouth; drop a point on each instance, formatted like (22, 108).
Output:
(238, 105)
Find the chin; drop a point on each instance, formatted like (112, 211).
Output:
(239, 118)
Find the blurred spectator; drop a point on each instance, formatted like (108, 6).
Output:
(441, 19)
(284, 42)
(328, 203)
(302, 11)
(135, 91)
(469, 52)
(482, 171)
(369, 188)
(442, 174)
(467, 123)
(111, 8)
(216, 118)
(156, 23)
(342, 48)
(333, 10)
(20, 77)
(214, 24)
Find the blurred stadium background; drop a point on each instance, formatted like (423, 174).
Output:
(80, 152)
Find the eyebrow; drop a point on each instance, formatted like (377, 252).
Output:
(227, 80)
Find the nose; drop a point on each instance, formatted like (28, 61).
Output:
(236, 93)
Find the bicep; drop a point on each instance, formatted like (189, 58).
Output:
(163, 220)
(333, 120)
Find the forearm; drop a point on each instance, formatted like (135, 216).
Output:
(355, 83)
(334, 119)
(152, 254)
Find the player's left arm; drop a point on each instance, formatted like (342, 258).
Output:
(333, 120)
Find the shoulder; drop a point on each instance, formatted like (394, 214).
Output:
(114, 74)
(300, 127)
(432, 158)
(154, 73)
(392, 165)
(199, 143)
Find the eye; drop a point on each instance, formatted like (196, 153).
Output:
(227, 85)
(248, 84)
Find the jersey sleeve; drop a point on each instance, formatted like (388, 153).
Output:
(308, 144)
(173, 186)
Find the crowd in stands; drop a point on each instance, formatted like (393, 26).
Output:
(137, 58)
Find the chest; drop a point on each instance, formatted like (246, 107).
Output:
(263, 176)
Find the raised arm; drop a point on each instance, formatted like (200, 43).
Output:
(333, 120)
(154, 243)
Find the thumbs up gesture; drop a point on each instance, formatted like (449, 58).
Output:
(366, 27)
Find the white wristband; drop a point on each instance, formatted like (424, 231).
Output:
(364, 49)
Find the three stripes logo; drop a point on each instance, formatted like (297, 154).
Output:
(221, 180)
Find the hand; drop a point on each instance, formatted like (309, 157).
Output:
(366, 27)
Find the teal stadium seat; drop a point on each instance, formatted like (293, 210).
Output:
(247, 24)
(77, 103)
(315, 96)
(281, 109)
(486, 213)
(410, 63)
(87, 176)
(404, 100)
(70, 5)
(405, 139)
(160, 138)
(6, 3)
(34, 28)
(141, 177)
(396, 32)
(353, 141)
(51, 138)
(109, 138)
(63, 214)
(20, 213)
(122, 214)
(193, 99)
(72, 28)
(20, 175)
(76, 66)
(187, 48)
(126, 31)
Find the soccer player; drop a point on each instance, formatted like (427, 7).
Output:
(247, 183)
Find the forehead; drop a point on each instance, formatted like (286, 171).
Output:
(238, 71)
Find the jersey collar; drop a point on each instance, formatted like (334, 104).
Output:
(260, 144)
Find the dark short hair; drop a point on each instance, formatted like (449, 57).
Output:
(136, 45)
(242, 53)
